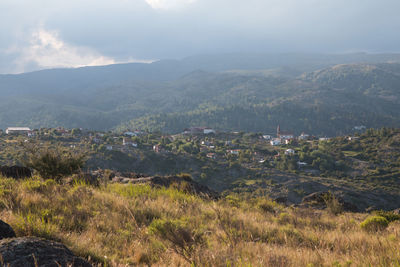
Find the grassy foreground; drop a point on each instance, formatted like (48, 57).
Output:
(119, 225)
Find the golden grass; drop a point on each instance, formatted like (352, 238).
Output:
(120, 225)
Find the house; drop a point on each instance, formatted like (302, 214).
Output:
(126, 142)
(205, 143)
(109, 147)
(287, 141)
(301, 164)
(352, 138)
(234, 151)
(31, 134)
(304, 136)
(289, 151)
(129, 134)
(208, 131)
(211, 155)
(157, 148)
(267, 137)
(275, 142)
(324, 139)
(17, 130)
(283, 135)
(134, 133)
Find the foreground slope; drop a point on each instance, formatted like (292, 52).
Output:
(119, 224)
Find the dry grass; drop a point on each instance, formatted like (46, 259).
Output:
(120, 225)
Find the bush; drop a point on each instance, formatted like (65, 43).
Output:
(182, 238)
(388, 215)
(332, 204)
(54, 163)
(374, 224)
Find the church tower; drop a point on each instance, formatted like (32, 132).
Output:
(278, 131)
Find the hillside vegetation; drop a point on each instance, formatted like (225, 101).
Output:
(115, 225)
(233, 92)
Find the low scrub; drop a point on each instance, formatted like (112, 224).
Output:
(374, 224)
(54, 163)
(136, 225)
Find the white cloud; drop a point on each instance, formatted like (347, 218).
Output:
(45, 49)
(169, 4)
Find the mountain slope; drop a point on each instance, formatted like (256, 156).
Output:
(228, 92)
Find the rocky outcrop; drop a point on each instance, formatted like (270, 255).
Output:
(33, 251)
(5, 230)
(16, 172)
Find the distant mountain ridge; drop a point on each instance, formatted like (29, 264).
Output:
(250, 92)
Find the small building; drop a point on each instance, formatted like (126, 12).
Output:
(211, 155)
(289, 151)
(283, 135)
(109, 147)
(267, 137)
(304, 136)
(234, 151)
(157, 148)
(129, 134)
(352, 138)
(288, 141)
(17, 130)
(324, 139)
(301, 164)
(208, 131)
(31, 134)
(275, 142)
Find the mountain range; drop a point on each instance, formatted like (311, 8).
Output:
(315, 93)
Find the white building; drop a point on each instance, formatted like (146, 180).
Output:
(208, 131)
(267, 137)
(289, 151)
(275, 142)
(303, 136)
(17, 130)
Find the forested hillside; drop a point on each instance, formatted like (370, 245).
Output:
(232, 92)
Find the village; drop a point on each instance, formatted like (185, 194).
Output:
(247, 149)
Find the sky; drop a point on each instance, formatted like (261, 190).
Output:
(44, 34)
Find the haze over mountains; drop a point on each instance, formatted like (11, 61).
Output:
(320, 94)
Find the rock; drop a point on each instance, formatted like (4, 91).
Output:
(33, 251)
(6, 231)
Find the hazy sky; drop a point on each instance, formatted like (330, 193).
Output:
(69, 33)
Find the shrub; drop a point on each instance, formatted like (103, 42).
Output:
(182, 238)
(332, 203)
(267, 206)
(54, 163)
(388, 215)
(374, 224)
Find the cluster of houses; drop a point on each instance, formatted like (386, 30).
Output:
(284, 137)
(198, 130)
